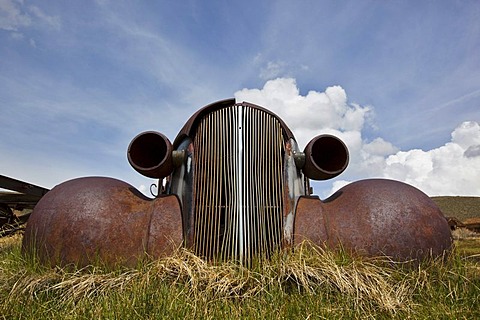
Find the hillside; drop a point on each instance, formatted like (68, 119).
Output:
(461, 208)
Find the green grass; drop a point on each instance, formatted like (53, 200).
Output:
(309, 283)
(461, 208)
(469, 247)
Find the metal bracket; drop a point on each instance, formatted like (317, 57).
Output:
(299, 158)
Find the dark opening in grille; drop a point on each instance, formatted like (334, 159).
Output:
(238, 184)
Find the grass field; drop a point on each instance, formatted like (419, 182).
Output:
(461, 208)
(306, 284)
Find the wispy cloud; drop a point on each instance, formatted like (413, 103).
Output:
(19, 19)
(52, 21)
(12, 18)
(458, 100)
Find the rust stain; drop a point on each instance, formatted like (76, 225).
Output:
(100, 219)
(385, 217)
(310, 222)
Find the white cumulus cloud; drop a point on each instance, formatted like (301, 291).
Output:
(309, 114)
(452, 169)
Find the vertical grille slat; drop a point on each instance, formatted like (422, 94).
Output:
(238, 195)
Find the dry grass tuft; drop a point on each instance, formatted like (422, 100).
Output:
(464, 233)
(328, 280)
(365, 280)
(8, 242)
(307, 270)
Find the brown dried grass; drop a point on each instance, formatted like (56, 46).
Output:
(307, 270)
(368, 286)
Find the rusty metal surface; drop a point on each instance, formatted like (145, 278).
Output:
(190, 126)
(86, 220)
(165, 232)
(385, 217)
(294, 188)
(326, 157)
(180, 183)
(310, 222)
(150, 154)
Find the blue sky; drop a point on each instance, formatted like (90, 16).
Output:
(78, 80)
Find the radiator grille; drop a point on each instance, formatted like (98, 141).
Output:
(238, 186)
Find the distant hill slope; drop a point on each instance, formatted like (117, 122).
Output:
(461, 208)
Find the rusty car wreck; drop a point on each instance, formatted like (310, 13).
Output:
(233, 186)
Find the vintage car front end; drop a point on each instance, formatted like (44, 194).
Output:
(232, 186)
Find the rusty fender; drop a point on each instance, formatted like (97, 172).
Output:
(102, 219)
(375, 217)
